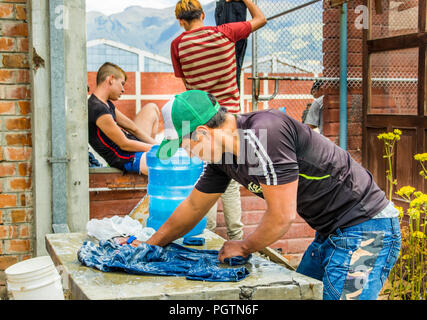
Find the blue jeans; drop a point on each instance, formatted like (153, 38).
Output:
(354, 262)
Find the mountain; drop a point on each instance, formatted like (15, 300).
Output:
(144, 28)
(296, 36)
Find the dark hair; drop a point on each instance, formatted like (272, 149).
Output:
(219, 118)
(316, 85)
(108, 69)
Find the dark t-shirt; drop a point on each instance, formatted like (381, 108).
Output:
(106, 148)
(334, 191)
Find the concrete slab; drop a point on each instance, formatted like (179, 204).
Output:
(267, 280)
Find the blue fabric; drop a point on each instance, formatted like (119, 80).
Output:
(171, 260)
(194, 241)
(354, 262)
(134, 166)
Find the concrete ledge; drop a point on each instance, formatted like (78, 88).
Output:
(104, 170)
(267, 280)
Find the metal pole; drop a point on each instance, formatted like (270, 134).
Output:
(58, 124)
(343, 77)
(292, 10)
(255, 82)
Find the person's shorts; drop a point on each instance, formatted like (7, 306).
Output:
(134, 166)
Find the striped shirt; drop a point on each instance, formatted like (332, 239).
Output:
(206, 59)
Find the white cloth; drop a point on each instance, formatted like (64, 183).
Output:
(117, 226)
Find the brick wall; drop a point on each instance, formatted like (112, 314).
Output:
(16, 213)
(331, 62)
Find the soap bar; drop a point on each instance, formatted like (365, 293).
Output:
(194, 241)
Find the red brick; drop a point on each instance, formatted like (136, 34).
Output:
(7, 169)
(26, 200)
(160, 83)
(355, 129)
(331, 128)
(127, 107)
(130, 83)
(21, 12)
(4, 232)
(22, 76)
(8, 232)
(19, 184)
(7, 107)
(299, 230)
(17, 154)
(253, 203)
(331, 115)
(18, 60)
(1, 216)
(293, 245)
(252, 217)
(7, 76)
(22, 45)
(18, 92)
(7, 200)
(24, 231)
(18, 139)
(7, 261)
(25, 169)
(7, 44)
(18, 124)
(17, 246)
(6, 10)
(354, 142)
(13, 28)
(24, 107)
(21, 215)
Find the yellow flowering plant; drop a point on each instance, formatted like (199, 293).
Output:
(390, 139)
(408, 278)
(422, 158)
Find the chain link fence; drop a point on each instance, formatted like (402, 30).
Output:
(297, 47)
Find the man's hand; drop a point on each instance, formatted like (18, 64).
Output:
(123, 240)
(231, 249)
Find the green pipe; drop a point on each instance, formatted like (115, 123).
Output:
(343, 77)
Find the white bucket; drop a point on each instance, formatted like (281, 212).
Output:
(34, 279)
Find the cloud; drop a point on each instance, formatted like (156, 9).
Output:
(299, 44)
(305, 29)
(109, 7)
(269, 35)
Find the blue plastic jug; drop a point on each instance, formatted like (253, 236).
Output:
(169, 183)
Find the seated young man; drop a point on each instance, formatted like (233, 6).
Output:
(122, 142)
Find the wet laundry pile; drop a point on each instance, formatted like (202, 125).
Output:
(171, 260)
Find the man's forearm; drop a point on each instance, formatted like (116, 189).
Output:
(184, 218)
(141, 135)
(174, 228)
(268, 231)
(135, 146)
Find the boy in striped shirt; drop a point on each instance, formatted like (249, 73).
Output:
(204, 57)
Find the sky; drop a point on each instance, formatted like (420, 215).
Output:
(108, 7)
